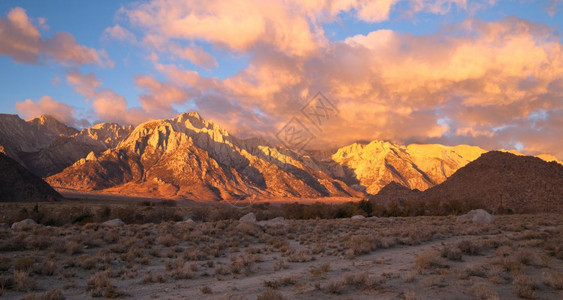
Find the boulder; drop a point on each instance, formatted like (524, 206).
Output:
(477, 216)
(186, 221)
(113, 223)
(249, 218)
(24, 225)
(357, 217)
(275, 222)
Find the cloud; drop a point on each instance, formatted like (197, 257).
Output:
(405, 88)
(157, 101)
(47, 106)
(197, 56)
(119, 33)
(20, 39)
(478, 82)
(160, 97)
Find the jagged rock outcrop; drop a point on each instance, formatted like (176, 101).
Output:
(189, 157)
(110, 134)
(19, 185)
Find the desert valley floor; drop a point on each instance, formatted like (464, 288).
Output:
(387, 258)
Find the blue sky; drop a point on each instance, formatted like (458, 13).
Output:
(246, 64)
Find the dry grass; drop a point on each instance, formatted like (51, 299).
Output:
(525, 286)
(100, 286)
(307, 258)
(428, 260)
(553, 279)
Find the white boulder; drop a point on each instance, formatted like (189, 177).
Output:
(249, 218)
(113, 223)
(24, 225)
(275, 222)
(477, 216)
(357, 217)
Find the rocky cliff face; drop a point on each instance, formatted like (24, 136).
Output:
(46, 146)
(372, 166)
(189, 157)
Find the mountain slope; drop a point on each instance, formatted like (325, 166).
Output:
(189, 157)
(503, 181)
(415, 166)
(18, 184)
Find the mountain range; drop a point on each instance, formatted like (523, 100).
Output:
(188, 157)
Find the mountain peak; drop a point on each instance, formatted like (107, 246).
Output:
(52, 126)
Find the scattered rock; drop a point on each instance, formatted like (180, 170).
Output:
(24, 225)
(477, 216)
(4, 226)
(275, 222)
(113, 223)
(357, 217)
(249, 217)
(186, 221)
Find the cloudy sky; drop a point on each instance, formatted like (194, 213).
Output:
(486, 73)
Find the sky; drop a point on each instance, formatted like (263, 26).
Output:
(485, 73)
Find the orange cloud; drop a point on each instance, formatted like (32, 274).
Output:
(21, 40)
(477, 82)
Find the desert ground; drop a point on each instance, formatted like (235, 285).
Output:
(220, 257)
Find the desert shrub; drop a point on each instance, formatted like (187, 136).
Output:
(206, 290)
(526, 256)
(362, 244)
(450, 253)
(23, 282)
(484, 291)
(358, 281)
(524, 286)
(553, 279)
(469, 247)
(73, 247)
(320, 270)
(270, 294)
(24, 263)
(168, 240)
(427, 260)
(335, 287)
(100, 286)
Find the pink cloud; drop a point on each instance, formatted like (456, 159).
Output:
(119, 33)
(197, 56)
(47, 106)
(160, 97)
(20, 39)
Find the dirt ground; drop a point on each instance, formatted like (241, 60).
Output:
(372, 258)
